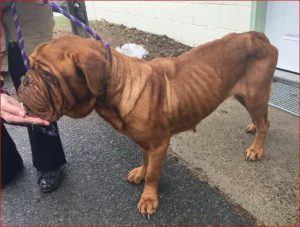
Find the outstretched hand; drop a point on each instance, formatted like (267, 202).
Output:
(12, 112)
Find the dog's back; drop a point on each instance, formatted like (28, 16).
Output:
(202, 78)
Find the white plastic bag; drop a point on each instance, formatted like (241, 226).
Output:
(133, 50)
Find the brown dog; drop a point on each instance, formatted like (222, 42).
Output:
(150, 101)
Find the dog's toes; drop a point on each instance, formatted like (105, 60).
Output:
(130, 177)
(147, 207)
(148, 216)
(136, 175)
(254, 154)
(251, 128)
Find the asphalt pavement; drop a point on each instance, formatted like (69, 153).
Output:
(94, 190)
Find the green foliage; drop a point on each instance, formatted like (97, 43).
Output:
(61, 22)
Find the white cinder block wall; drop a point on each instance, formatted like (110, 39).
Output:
(190, 22)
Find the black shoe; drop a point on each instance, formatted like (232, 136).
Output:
(49, 181)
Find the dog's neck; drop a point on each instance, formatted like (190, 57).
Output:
(125, 73)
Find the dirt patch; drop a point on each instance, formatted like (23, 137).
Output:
(116, 35)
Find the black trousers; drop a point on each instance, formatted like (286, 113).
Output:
(47, 151)
(11, 161)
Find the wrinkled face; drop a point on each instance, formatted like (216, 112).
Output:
(66, 77)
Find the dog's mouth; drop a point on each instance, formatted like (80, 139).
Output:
(40, 112)
(27, 110)
(32, 107)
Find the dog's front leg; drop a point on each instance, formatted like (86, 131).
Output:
(149, 199)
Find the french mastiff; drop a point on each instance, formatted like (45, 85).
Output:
(149, 101)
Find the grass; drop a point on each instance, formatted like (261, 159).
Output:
(61, 22)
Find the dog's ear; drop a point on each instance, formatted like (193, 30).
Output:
(92, 66)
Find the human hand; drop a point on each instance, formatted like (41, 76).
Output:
(12, 112)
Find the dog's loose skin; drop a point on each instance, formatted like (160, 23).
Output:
(151, 101)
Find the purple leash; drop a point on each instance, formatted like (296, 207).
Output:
(20, 36)
(84, 26)
(75, 20)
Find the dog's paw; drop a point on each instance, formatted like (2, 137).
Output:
(251, 128)
(253, 154)
(137, 175)
(147, 205)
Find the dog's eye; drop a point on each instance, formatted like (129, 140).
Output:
(49, 78)
(47, 75)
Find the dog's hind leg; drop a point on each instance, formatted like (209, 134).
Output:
(253, 91)
(137, 175)
(255, 100)
(258, 110)
(257, 106)
(251, 128)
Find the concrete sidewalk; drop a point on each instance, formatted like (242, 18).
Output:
(269, 188)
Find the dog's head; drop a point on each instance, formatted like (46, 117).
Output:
(66, 77)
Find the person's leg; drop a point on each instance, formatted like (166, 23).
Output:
(47, 151)
(11, 161)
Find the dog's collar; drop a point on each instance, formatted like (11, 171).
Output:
(108, 55)
(108, 68)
